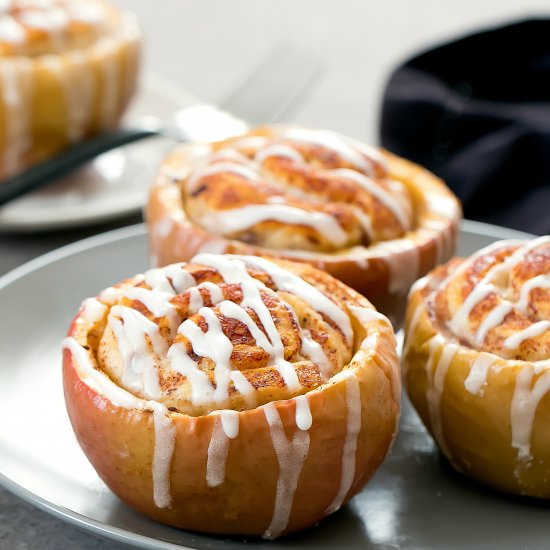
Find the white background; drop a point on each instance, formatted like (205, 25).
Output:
(209, 45)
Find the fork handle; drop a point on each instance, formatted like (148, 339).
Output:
(40, 174)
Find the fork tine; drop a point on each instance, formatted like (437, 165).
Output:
(287, 102)
(276, 88)
(256, 79)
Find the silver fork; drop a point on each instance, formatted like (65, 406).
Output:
(273, 91)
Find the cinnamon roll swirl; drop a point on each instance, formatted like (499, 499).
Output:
(372, 220)
(221, 394)
(68, 69)
(476, 363)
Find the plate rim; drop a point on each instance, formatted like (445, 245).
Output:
(96, 527)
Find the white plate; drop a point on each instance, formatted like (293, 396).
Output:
(113, 185)
(414, 501)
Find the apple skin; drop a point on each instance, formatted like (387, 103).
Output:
(119, 443)
(476, 431)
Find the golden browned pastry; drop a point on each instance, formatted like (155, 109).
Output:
(476, 363)
(374, 221)
(233, 394)
(67, 70)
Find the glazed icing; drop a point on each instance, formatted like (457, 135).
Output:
(436, 372)
(291, 454)
(226, 222)
(226, 428)
(353, 427)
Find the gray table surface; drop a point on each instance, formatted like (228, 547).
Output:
(208, 46)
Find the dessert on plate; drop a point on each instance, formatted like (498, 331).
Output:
(375, 221)
(233, 394)
(68, 68)
(476, 363)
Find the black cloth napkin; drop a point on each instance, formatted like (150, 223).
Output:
(476, 112)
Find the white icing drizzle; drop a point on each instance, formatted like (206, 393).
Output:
(233, 270)
(367, 315)
(202, 390)
(11, 31)
(52, 20)
(316, 354)
(365, 221)
(195, 297)
(436, 377)
(111, 295)
(403, 260)
(524, 406)
(238, 219)
(418, 285)
(459, 321)
(171, 278)
(214, 345)
(353, 427)
(331, 141)
(252, 142)
(93, 310)
(155, 300)
(220, 167)
(131, 329)
(163, 289)
(477, 377)
(540, 281)
(165, 433)
(230, 154)
(225, 429)
(16, 89)
(243, 385)
(291, 455)
(230, 423)
(97, 380)
(443, 206)
(378, 192)
(88, 12)
(195, 300)
(304, 420)
(47, 16)
(275, 350)
(278, 150)
(536, 329)
(443, 240)
(289, 282)
(165, 442)
(491, 320)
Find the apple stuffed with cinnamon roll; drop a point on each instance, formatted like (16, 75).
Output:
(375, 221)
(233, 394)
(68, 70)
(476, 363)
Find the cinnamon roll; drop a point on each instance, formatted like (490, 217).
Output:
(371, 219)
(68, 69)
(476, 363)
(233, 394)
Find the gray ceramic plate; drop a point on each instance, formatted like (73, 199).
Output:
(414, 501)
